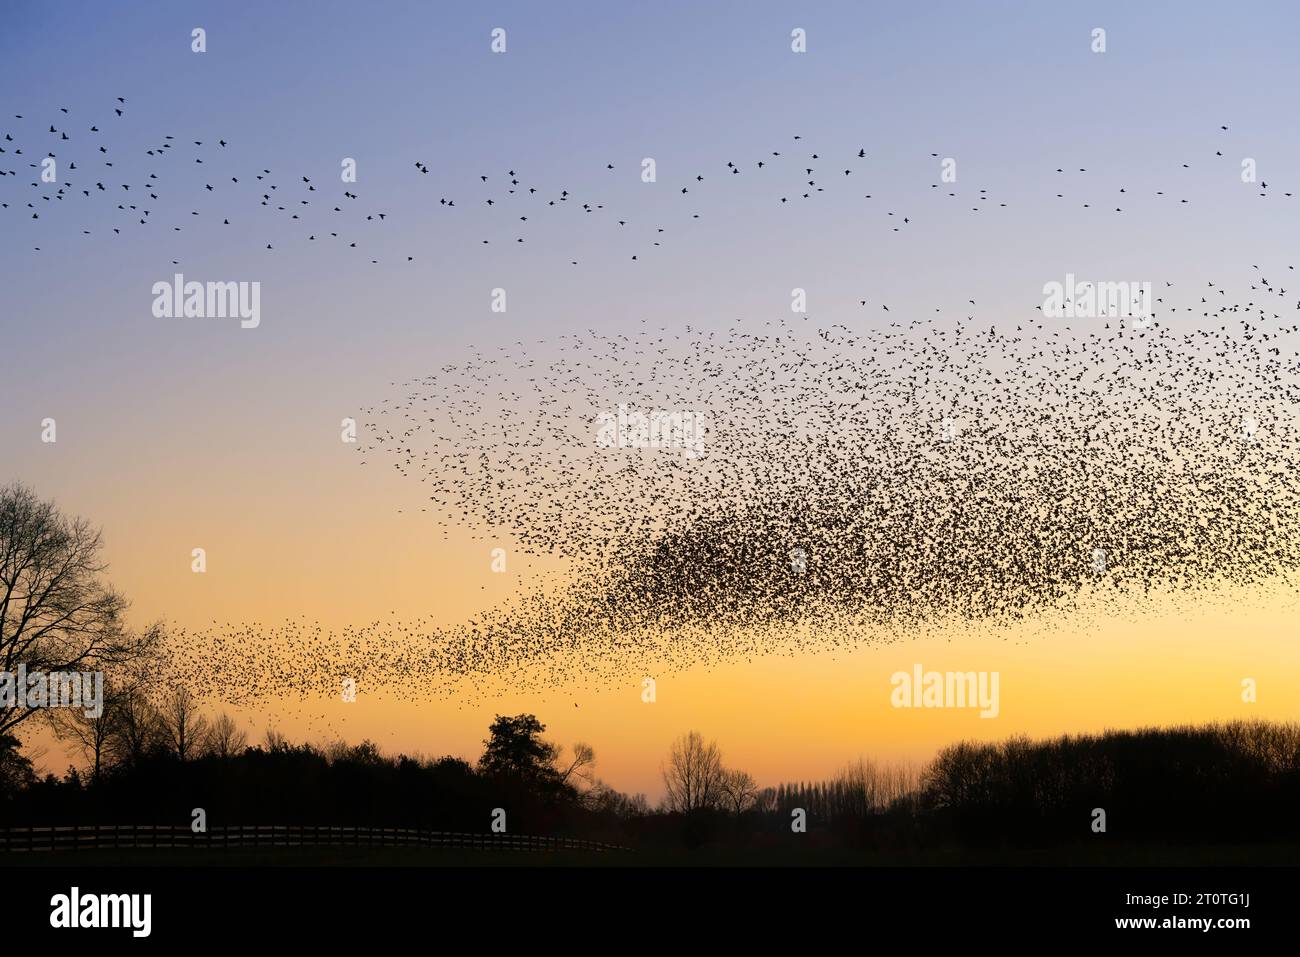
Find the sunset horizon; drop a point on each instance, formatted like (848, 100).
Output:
(590, 437)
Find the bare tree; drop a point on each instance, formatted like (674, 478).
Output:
(136, 728)
(603, 799)
(739, 791)
(56, 614)
(225, 740)
(765, 801)
(184, 729)
(864, 788)
(693, 777)
(584, 759)
(92, 734)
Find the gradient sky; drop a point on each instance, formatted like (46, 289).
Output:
(176, 434)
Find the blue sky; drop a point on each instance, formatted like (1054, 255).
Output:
(174, 433)
(1011, 91)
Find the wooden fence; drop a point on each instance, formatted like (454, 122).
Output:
(92, 837)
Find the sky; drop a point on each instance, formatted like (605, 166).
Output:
(175, 434)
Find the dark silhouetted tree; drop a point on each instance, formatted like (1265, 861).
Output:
(739, 791)
(56, 614)
(15, 769)
(184, 730)
(136, 728)
(225, 739)
(93, 734)
(580, 764)
(516, 751)
(694, 774)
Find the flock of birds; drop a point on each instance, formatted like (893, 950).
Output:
(838, 485)
(847, 486)
(113, 192)
(129, 190)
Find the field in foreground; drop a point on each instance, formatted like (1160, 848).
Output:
(1085, 855)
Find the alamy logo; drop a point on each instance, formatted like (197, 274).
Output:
(946, 689)
(53, 689)
(102, 910)
(1074, 299)
(658, 430)
(179, 299)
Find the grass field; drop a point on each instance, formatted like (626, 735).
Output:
(1090, 854)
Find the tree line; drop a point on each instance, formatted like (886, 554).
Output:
(150, 758)
(1236, 781)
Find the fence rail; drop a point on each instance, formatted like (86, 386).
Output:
(107, 836)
